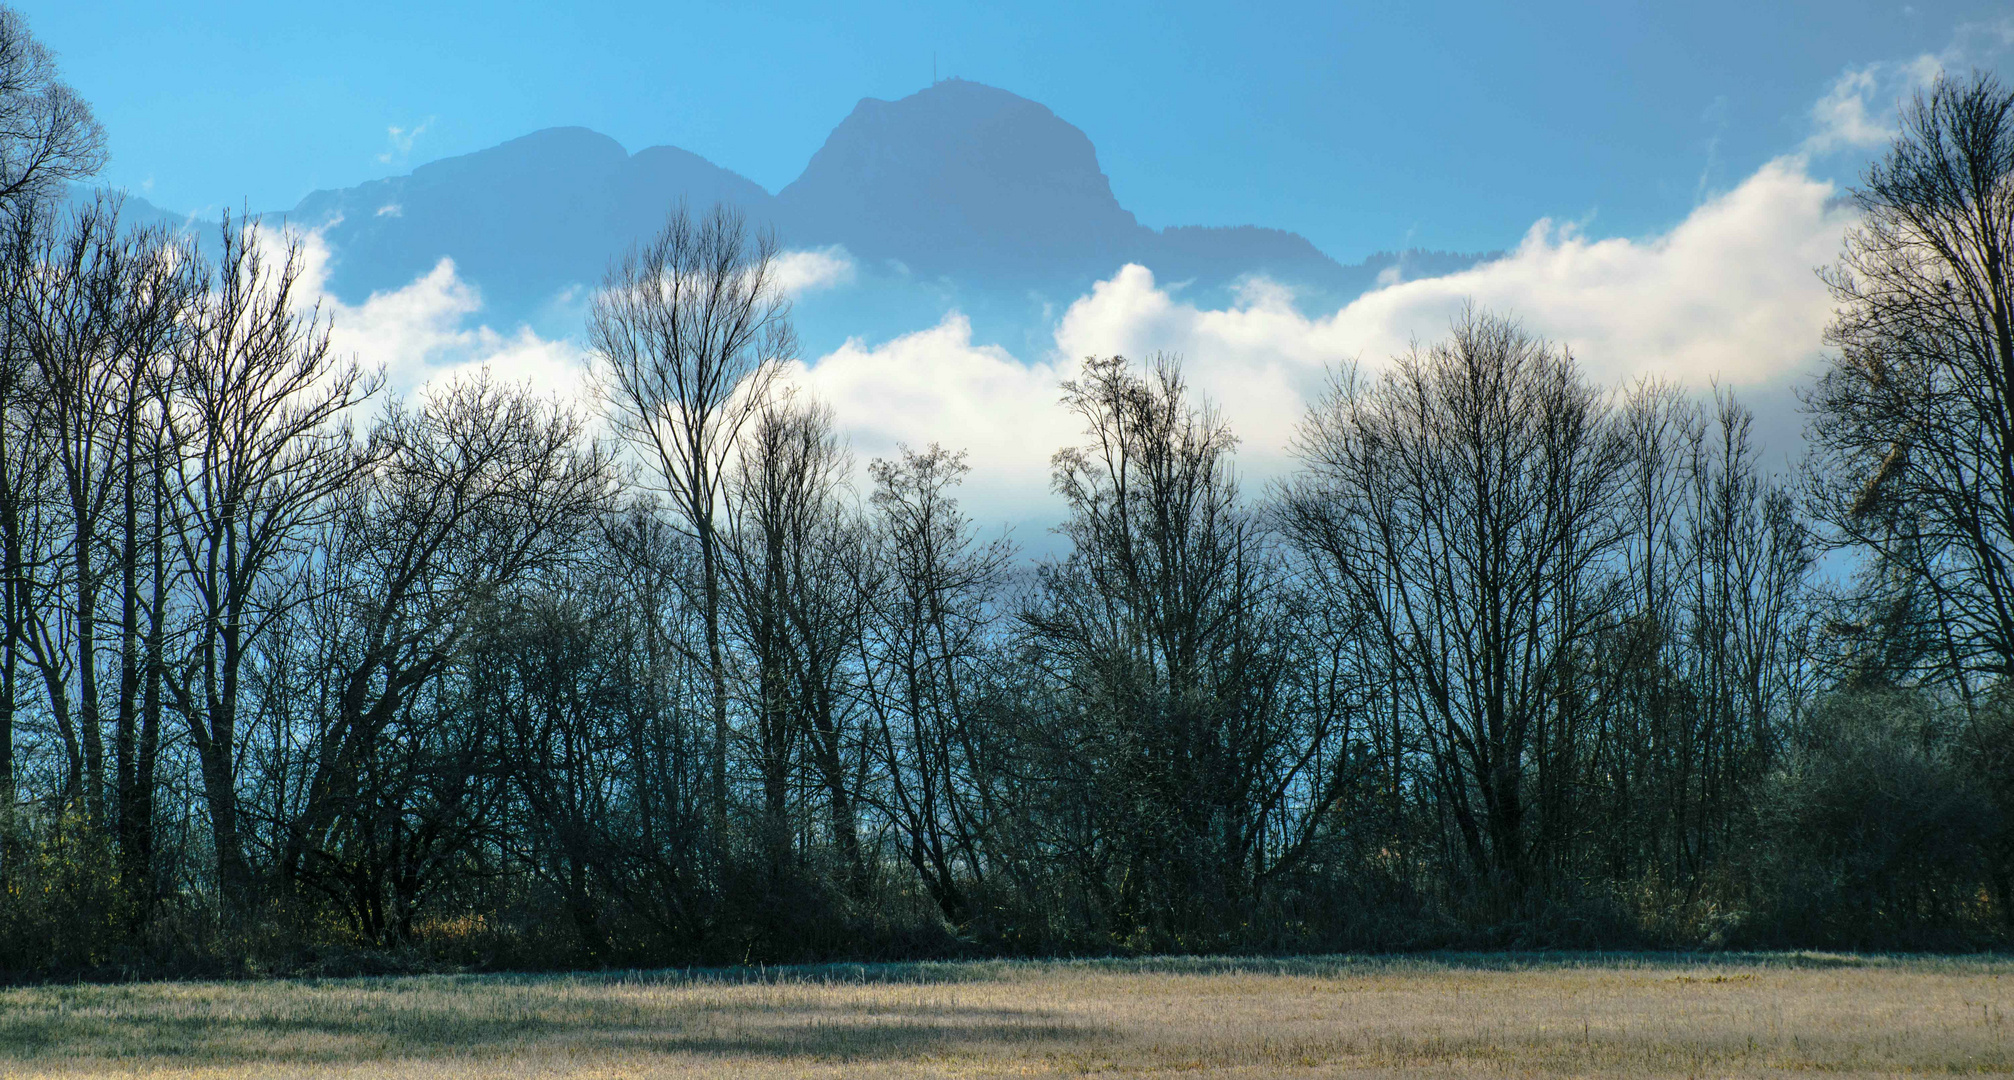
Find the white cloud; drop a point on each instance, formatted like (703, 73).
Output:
(1260, 360)
(421, 333)
(937, 385)
(1979, 43)
(1728, 295)
(799, 272)
(1854, 114)
(429, 331)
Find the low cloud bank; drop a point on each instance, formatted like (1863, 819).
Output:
(1728, 295)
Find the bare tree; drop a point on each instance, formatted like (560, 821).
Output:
(926, 647)
(1912, 426)
(689, 331)
(1468, 499)
(26, 476)
(1694, 678)
(96, 318)
(1748, 558)
(47, 138)
(1912, 423)
(663, 864)
(261, 444)
(47, 133)
(480, 491)
(559, 671)
(801, 576)
(1160, 638)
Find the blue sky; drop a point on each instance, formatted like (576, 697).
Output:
(1451, 125)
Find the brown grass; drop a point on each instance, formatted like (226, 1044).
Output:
(1448, 1015)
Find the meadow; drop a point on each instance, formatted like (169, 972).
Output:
(1449, 1015)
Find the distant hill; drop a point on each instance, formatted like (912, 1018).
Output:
(984, 192)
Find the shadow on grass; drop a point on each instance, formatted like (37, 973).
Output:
(308, 1028)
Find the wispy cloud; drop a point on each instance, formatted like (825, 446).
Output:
(401, 140)
(1857, 111)
(1716, 115)
(1985, 38)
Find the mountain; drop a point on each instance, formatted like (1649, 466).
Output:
(522, 220)
(977, 196)
(962, 178)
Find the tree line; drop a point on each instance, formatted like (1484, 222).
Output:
(296, 675)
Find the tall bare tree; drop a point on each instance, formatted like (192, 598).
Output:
(26, 474)
(96, 320)
(47, 137)
(1468, 498)
(262, 444)
(1160, 636)
(801, 573)
(1912, 424)
(926, 648)
(689, 331)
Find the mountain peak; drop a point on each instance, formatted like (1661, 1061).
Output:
(957, 171)
(570, 148)
(523, 218)
(961, 102)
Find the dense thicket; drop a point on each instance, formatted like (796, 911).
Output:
(298, 674)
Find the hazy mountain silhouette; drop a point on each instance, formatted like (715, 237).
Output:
(522, 220)
(962, 178)
(973, 188)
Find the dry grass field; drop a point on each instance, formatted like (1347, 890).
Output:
(1446, 1016)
